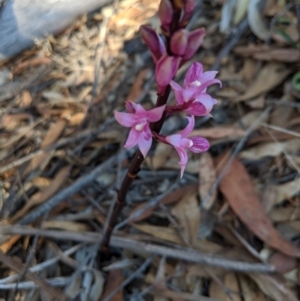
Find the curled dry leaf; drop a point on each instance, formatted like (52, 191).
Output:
(256, 21)
(269, 77)
(238, 189)
(227, 12)
(207, 177)
(240, 11)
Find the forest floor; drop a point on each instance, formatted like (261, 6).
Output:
(229, 230)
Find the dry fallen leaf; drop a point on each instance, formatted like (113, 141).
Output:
(162, 152)
(187, 213)
(164, 233)
(66, 225)
(286, 190)
(256, 22)
(269, 77)
(219, 132)
(273, 288)
(207, 177)
(249, 292)
(52, 135)
(171, 198)
(238, 189)
(42, 196)
(272, 149)
(114, 280)
(231, 283)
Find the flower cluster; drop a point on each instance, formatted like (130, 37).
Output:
(191, 98)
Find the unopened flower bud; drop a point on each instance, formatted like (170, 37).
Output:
(195, 40)
(165, 13)
(179, 42)
(153, 41)
(189, 7)
(165, 70)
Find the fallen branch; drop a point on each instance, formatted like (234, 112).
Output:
(129, 243)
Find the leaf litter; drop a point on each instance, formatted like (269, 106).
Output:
(56, 127)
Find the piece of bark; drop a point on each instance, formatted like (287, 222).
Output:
(22, 21)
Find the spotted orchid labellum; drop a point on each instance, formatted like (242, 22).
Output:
(169, 54)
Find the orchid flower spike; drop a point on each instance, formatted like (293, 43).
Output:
(181, 143)
(138, 120)
(192, 97)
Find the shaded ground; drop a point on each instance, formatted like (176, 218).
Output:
(229, 230)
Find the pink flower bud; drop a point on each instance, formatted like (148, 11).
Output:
(189, 7)
(153, 41)
(179, 42)
(165, 13)
(165, 70)
(195, 40)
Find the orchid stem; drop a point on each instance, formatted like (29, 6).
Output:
(132, 173)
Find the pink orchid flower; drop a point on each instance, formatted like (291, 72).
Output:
(181, 143)
(192, 97)
(138, 119)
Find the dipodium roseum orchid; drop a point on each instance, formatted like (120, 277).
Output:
(192, 97)
(138, 120)
(182, 143)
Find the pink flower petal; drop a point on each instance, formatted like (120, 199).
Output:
(179, 42)
(196, 109)
(208, 75)
(130, 106)
(183, 159)
(156, 113)
(189, 127)
(145, 141)
(178, 92)
(165, 69)
(200, 144)
(140, 112)
(153, 41)
(207, 101)
(174, 140)
(195, 40)
(125, 119)
(193, 74)
(133, 138)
